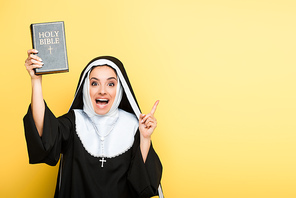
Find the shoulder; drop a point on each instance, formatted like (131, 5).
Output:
(128, 118)
(67, 118)
(127, 114)
(78, 115)
(70, 115)
(77, 111)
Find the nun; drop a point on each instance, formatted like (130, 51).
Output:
(103, 142)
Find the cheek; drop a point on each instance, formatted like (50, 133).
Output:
(113, 93)
(92, 92)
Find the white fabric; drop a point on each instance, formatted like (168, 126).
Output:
(104, 123)
(120, 76)
(116, 126)
(87, 104)
(160, 193)
(117, 142)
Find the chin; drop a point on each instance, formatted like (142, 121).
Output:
(102, 112)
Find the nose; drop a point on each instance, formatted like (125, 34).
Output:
(102, 90)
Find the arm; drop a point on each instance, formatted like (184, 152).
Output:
(147, 124)
(144, 177)
(37, 102)
(56, 136)
(144, 146)
(146, 169)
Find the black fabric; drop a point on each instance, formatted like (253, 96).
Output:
(125, 176)
(80, 174)
(46, 149)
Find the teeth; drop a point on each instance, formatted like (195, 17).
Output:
(102, 100)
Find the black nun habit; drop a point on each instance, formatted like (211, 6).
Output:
(94, 165)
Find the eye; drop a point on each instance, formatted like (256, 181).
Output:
(94, 83)
(111, 84)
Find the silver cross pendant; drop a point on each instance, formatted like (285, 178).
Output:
(102, 160)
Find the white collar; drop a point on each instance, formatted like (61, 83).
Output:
(119, 140)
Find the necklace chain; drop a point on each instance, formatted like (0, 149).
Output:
(102, 137)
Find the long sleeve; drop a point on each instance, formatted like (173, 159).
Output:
(145, 177)
(56, 134)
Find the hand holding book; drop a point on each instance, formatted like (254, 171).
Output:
(33, 62)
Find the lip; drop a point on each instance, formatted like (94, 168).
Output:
(102, 103)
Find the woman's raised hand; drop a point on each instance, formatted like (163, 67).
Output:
(147, 123)
(37, 102)
(32, 62)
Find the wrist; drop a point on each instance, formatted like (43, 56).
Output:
(144, 147)
(145, 139)
(36, 80)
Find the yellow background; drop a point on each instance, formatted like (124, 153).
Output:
(224, 72)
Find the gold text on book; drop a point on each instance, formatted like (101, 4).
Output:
(49, 37)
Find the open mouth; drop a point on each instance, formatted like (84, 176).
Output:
(102, 101)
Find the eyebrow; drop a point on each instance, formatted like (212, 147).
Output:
(110, 78)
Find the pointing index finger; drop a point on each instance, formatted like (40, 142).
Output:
(154, 107)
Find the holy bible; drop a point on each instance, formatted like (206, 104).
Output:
(49, 40)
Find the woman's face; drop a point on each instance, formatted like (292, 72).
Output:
(102, 88)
